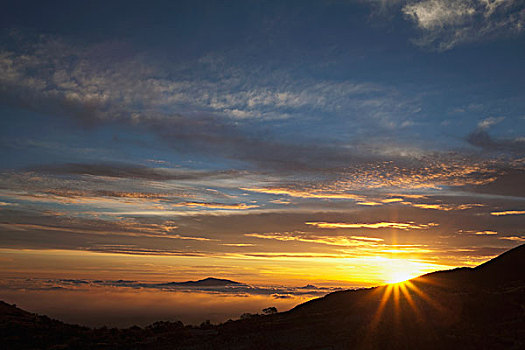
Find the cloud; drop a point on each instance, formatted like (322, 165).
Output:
(356, 181)
(123, 228)
(369, 203)
(131, 171)
(117, 189)
(294, 256)
(488, 122)
(302, 193)
(487, 232)
(394, 225)
(392, 200)
(508, 212)
(436, 14)
(359, 247)
(195, 112)
(513, 238)
(447, 23)
(363, 238)
(443, 207)
(176, 236)
(134, 250)
(284, 234)
(480, 138)
(73, 285)
(102, 193)
(237, 206)
(430, 171)
(344, 241)
(509, 182)
(205, 109)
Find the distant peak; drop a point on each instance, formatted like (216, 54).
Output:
(213, 279)
(207, 282)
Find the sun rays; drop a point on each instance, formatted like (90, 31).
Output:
(402, 302)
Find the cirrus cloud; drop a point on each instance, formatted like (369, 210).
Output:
(394, 225)
(445, 24)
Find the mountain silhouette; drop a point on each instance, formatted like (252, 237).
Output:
(463, 308)
(207, 282)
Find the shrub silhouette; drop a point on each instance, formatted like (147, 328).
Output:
(270, 310)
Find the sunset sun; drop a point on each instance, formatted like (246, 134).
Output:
(400, 276)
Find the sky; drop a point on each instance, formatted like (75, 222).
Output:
(333, 143)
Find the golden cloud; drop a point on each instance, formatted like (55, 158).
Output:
(392, 200)
(432, 174)
(394, 225)
(369, 203)
(443, 207)
(488, 232)
(237, 206)
(302, 193)
(352, 241)
(514, 238)
(510, 212)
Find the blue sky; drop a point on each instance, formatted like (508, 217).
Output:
(280, 133)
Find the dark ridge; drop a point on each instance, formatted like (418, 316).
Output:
(506, 268)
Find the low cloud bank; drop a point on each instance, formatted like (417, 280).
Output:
(236, 288)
